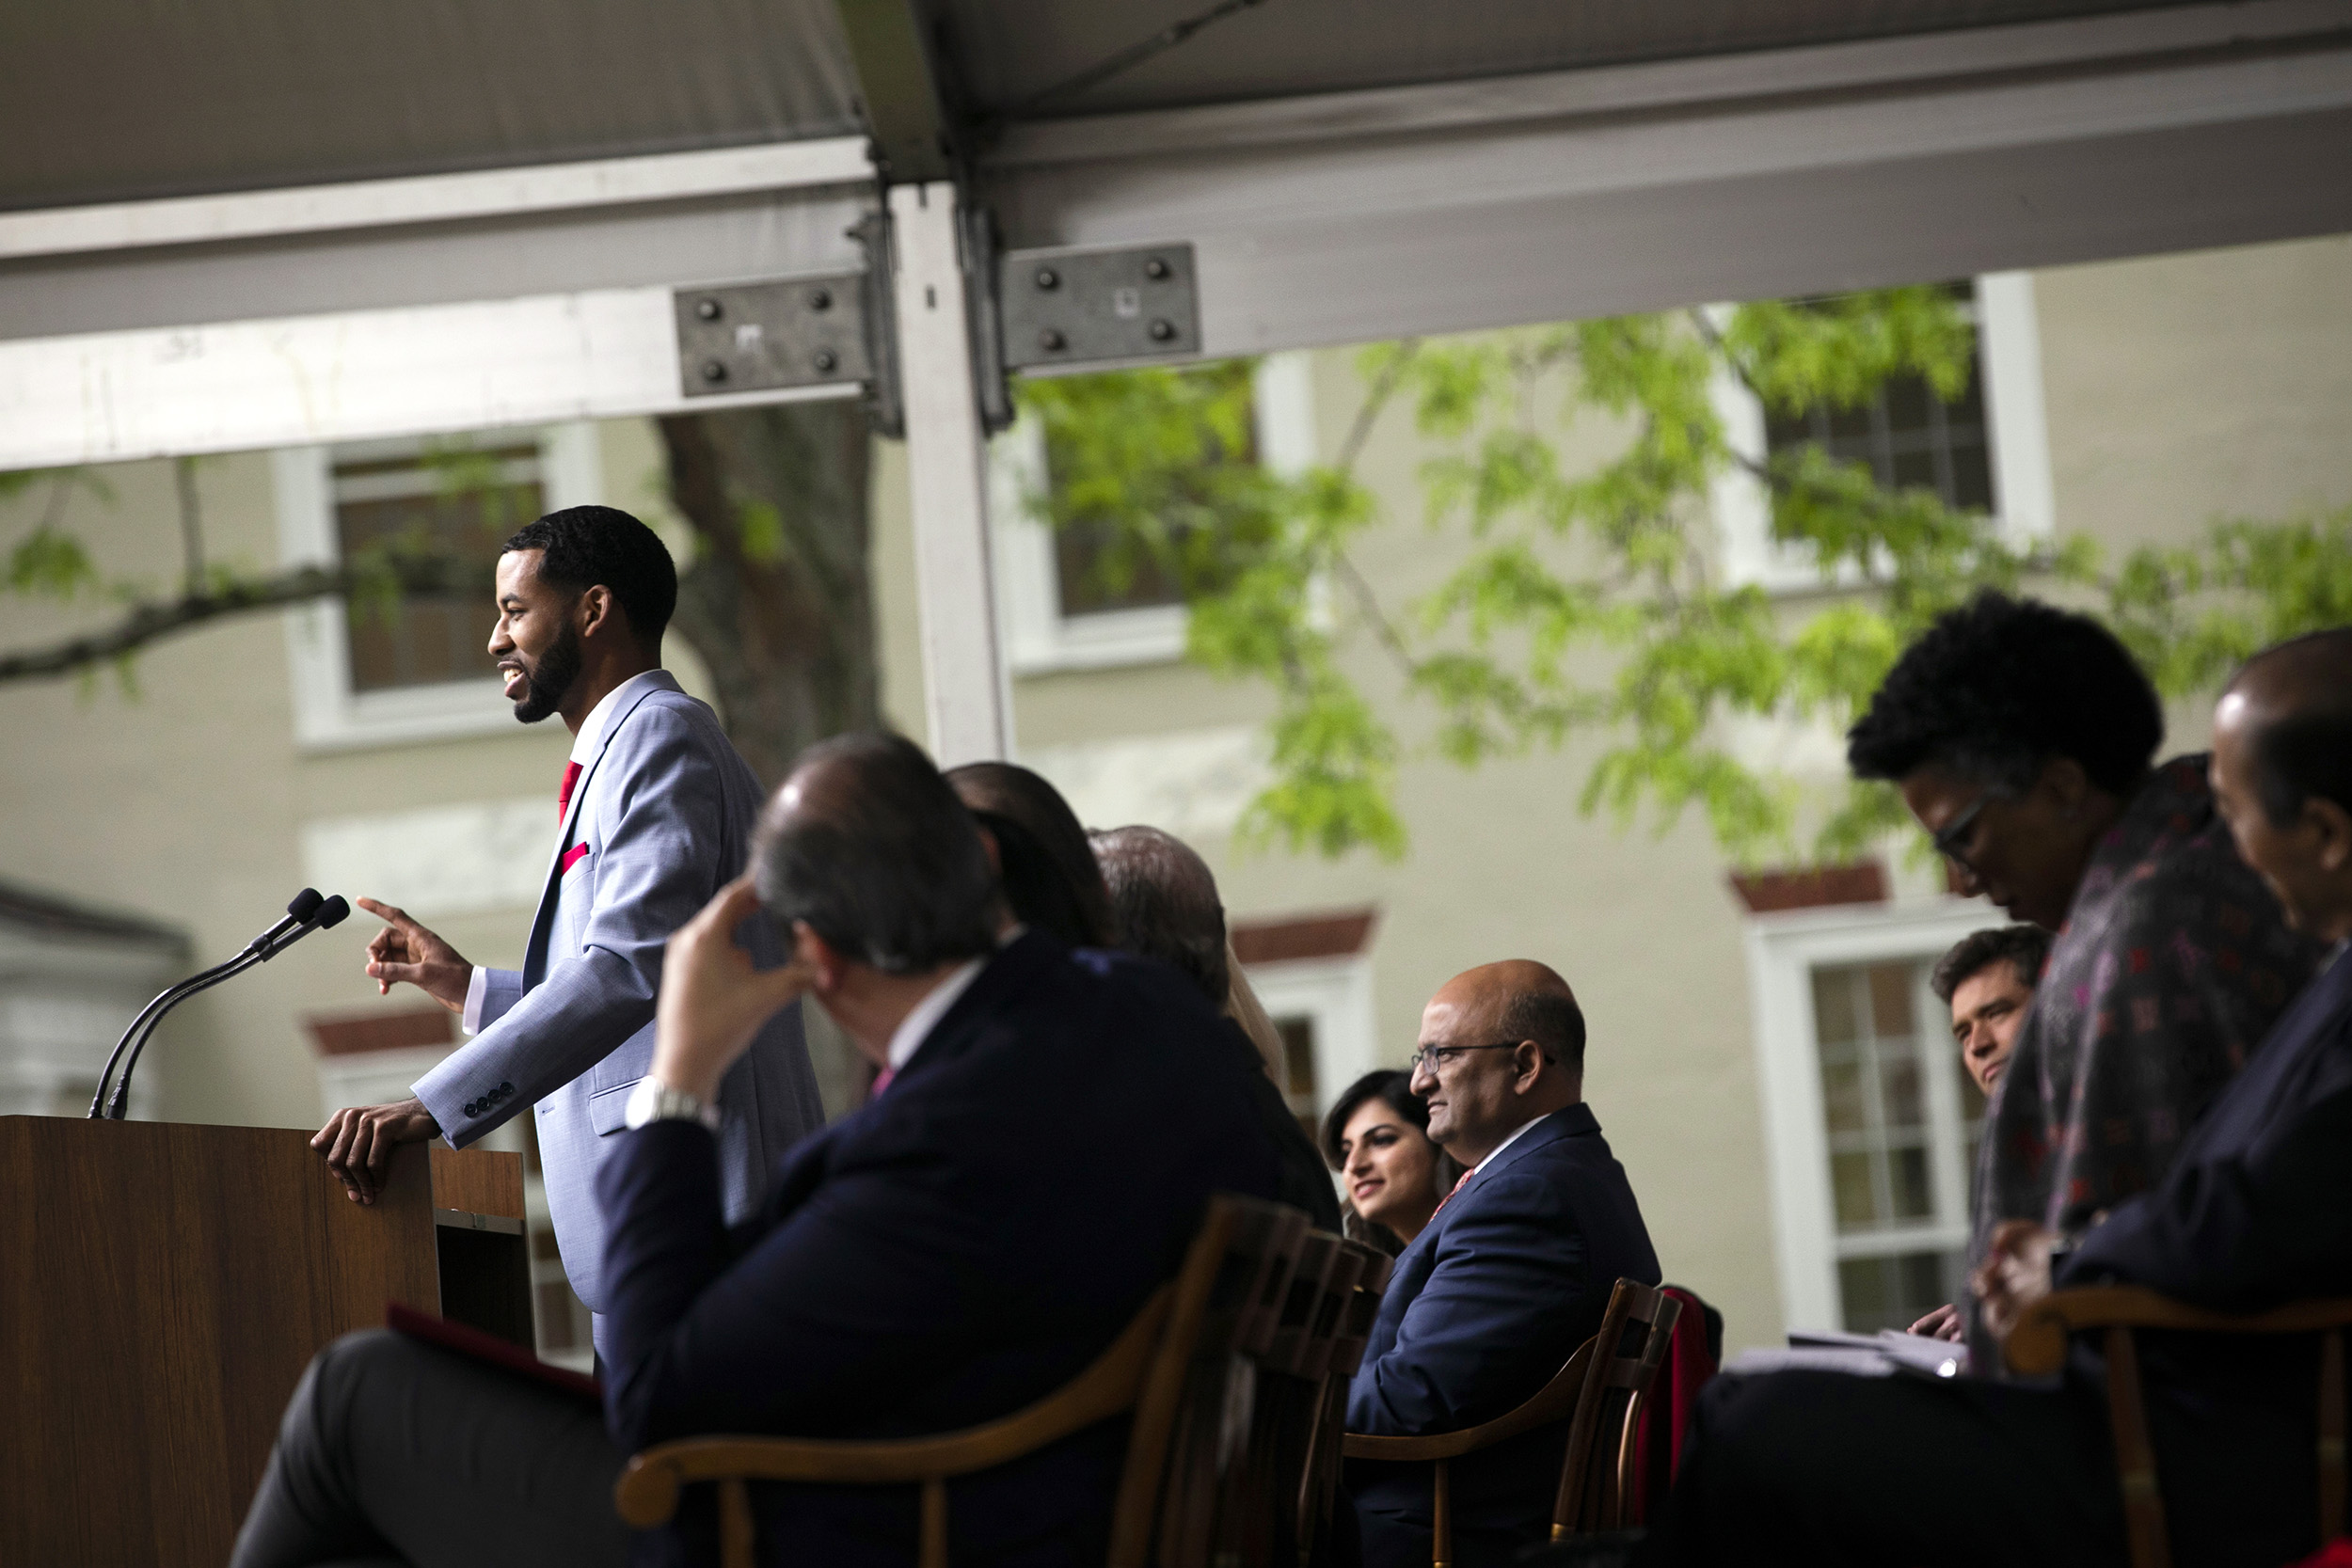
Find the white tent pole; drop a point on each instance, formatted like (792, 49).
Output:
(963, 689)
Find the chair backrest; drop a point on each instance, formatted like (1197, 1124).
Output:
(1596, 1479)
(1185, 1487)
(1172, 1366)
(1693, 1352)
(1336, 1356)
(2036, 1346)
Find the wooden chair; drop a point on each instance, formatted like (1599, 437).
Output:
(1174, 1367)
(1342, 1352)
(2036, 1347)
(1600, 1391)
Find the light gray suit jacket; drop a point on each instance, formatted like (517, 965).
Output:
(665, 810)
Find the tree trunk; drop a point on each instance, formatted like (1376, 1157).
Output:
(779, 601)
(780, 604)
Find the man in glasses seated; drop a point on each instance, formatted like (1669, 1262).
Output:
(2022, 737)
(1511, 1276)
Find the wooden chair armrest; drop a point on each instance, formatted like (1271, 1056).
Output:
(646, 1493)
(1555, 1402)
(2036, 1346)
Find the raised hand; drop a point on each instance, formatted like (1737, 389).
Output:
(358, 1142)
(714, 999)
(404, 950)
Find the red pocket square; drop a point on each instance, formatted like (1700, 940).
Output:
(572, 857)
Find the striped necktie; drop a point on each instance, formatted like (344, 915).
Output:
(1457, 1187)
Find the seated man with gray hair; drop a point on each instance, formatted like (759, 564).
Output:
(1165, 900)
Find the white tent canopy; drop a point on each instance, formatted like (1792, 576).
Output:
(273, 225)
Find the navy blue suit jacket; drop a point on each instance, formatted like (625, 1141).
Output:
(954, 1250)
(1485, 1307)
(2254, 1211)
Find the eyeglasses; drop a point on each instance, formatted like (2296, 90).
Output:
(1952, 840)
(1435, 1057)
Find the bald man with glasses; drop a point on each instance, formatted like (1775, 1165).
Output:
(1510, 1277)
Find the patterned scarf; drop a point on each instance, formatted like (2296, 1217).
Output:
(2171, 966)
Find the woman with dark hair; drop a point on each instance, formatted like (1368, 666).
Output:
(1048, 870)
(1377, 1136)
(2023, 740)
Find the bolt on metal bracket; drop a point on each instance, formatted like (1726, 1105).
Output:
(1083, 307)
(769, 336)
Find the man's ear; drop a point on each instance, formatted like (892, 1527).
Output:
(1529, 1059)
(595, 610)
(995, 853)
(819, 957)
(2330, 826)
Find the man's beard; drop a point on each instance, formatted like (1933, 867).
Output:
(546, 682)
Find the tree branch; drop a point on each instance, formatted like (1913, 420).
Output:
(151, 622)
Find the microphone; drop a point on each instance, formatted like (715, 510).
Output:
(305, 913)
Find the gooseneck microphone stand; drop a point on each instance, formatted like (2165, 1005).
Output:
(305, 914)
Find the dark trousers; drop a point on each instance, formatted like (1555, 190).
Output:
(1822, 1469)
(394, 1452)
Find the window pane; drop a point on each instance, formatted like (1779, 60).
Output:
(1094, 578)
(1914, 1200)
(1841, 1097)
(1890, 1000)
(463, 506)
(1894, 1292)
(1833, 1006)
(1858, 1199)
(1900, 1090)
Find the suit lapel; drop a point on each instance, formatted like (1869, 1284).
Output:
(551, 888)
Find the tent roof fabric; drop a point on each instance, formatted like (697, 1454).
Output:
(125, 99)
(1007, 52)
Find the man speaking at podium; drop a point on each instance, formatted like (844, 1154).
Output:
(657, 809)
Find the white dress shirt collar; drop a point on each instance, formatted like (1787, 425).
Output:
(1517, 1134)
(591, 736)
(926, 1014)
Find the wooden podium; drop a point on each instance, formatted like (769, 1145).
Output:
(162, 1287)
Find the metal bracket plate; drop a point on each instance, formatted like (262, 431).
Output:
(768, 337)
(1074, 307)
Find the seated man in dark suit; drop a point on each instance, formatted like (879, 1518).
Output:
(1820, 1469)
(1513, 1274)
(1164, 897)
(952, 1252)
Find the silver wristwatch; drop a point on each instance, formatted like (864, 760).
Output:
(654, 1101)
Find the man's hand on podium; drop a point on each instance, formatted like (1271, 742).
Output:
(404, 950)
(358, 1142)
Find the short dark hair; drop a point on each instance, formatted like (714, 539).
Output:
(878, 856)
(1387, 1085)
(1164, 901)
(1995, 688)
(1033, 883)
(2024, 948)
(1010, 791)
(589, 546)
(1552, 1020)
(2306, 751)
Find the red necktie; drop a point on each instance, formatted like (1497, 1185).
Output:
(1457, 1187)
(564, 795)
(883, 1080)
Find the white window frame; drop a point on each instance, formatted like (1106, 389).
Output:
(1783, 950)
(2009, 351)
(1036, 638)
(1336, 995)
(328, 714)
